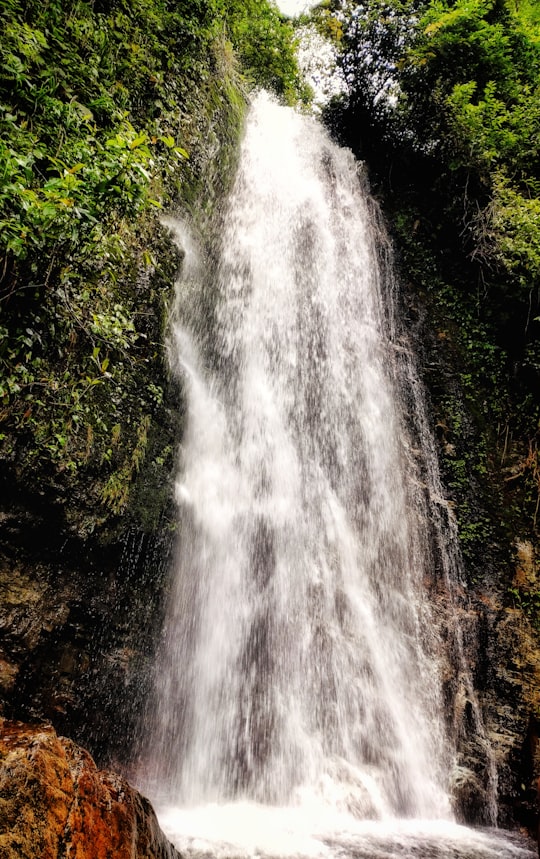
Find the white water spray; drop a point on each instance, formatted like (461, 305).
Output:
(298, 679)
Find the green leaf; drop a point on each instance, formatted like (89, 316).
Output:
(141, 138)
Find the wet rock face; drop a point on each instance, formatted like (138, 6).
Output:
(79, 616)
(512, 708)
(54, 802)
(503, 655)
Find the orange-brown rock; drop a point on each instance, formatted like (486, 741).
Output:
(55, 803)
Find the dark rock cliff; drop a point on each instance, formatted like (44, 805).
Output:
(78, 621)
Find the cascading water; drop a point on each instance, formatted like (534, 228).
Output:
(298, 684)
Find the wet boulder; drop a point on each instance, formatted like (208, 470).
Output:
(55, 802)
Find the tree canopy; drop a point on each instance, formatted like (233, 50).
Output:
(458, 83)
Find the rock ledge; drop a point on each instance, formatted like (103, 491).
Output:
(55, 803)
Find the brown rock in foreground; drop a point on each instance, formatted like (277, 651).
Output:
(54, 802)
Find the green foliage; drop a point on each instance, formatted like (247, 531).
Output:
(99, 103)
(474, 72)
(459, 82)
(265, 44)
(373, 43)
(444, 103)
(528, 10)
(512, 223)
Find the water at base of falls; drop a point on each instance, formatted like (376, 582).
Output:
(244, 830)
(298, 703)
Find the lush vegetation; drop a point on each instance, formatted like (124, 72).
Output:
(444, 103)
(109, 111)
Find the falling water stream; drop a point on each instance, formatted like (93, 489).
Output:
(298, 697)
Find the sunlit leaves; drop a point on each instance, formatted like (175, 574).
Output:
(101, 104)
(515, 222)
(265, 44)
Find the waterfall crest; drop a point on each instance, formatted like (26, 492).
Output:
(299, 666)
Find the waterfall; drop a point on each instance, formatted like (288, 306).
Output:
(299, 673)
